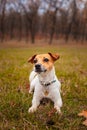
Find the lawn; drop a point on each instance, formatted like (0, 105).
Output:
(15, 100)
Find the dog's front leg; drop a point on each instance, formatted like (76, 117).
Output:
(58, 105)
(57, 102)
(31, 89)
(35, 104)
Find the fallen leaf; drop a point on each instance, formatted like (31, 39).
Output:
(27, 86)
(51, 112)
(85, 122)
(12, 103)
(83, 113)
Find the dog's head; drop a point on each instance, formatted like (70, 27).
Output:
(43, 62)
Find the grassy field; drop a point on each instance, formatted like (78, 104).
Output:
(15, 100)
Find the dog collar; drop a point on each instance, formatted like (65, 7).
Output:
(47, 84)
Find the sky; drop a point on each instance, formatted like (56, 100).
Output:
(45, 6)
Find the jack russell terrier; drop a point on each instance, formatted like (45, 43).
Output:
(44, 82)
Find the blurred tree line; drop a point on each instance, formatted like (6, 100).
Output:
(43, 19)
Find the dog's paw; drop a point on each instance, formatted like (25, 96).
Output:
(30, 92)
(58, 110)
(32, 109)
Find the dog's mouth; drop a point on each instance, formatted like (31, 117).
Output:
(39, 71)
(39, 68)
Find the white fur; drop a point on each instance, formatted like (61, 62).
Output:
(39, 90)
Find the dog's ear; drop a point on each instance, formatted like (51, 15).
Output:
(31, 59)
(54, 56)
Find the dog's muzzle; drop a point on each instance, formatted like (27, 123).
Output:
(39, 68)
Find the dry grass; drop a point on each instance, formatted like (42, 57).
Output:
(71, 69)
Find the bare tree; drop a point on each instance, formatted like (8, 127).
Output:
(32, 17)
(72, 18)
(2, 22)
(49, 18)
(84, 23)
(54, 7)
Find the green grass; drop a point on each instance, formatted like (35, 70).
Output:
(15, 100)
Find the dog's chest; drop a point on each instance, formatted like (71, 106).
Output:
(46, 91)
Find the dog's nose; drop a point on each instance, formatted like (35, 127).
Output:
(37, 66)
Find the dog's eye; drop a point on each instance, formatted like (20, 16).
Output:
(35, 61)
(46, 59)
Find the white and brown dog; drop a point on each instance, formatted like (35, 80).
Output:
(43, 81)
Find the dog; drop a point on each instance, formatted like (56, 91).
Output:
(43, 81)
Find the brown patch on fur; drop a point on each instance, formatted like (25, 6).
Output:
(40, 59)
(54, 56)
(31, 59)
